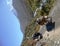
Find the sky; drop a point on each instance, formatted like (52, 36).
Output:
(10, 32)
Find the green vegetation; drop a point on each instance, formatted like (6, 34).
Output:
(45, 9)
(30, 29)
(33, 4)
(33, 27)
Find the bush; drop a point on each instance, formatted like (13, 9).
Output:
(33, 4)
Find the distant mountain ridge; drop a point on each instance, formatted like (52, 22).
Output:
(24, 16)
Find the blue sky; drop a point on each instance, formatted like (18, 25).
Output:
(10, 32)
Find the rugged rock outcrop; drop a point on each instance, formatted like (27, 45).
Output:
(23, 14)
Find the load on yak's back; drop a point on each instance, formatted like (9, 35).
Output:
(43, 20)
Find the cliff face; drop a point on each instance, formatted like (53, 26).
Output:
(23, 14)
